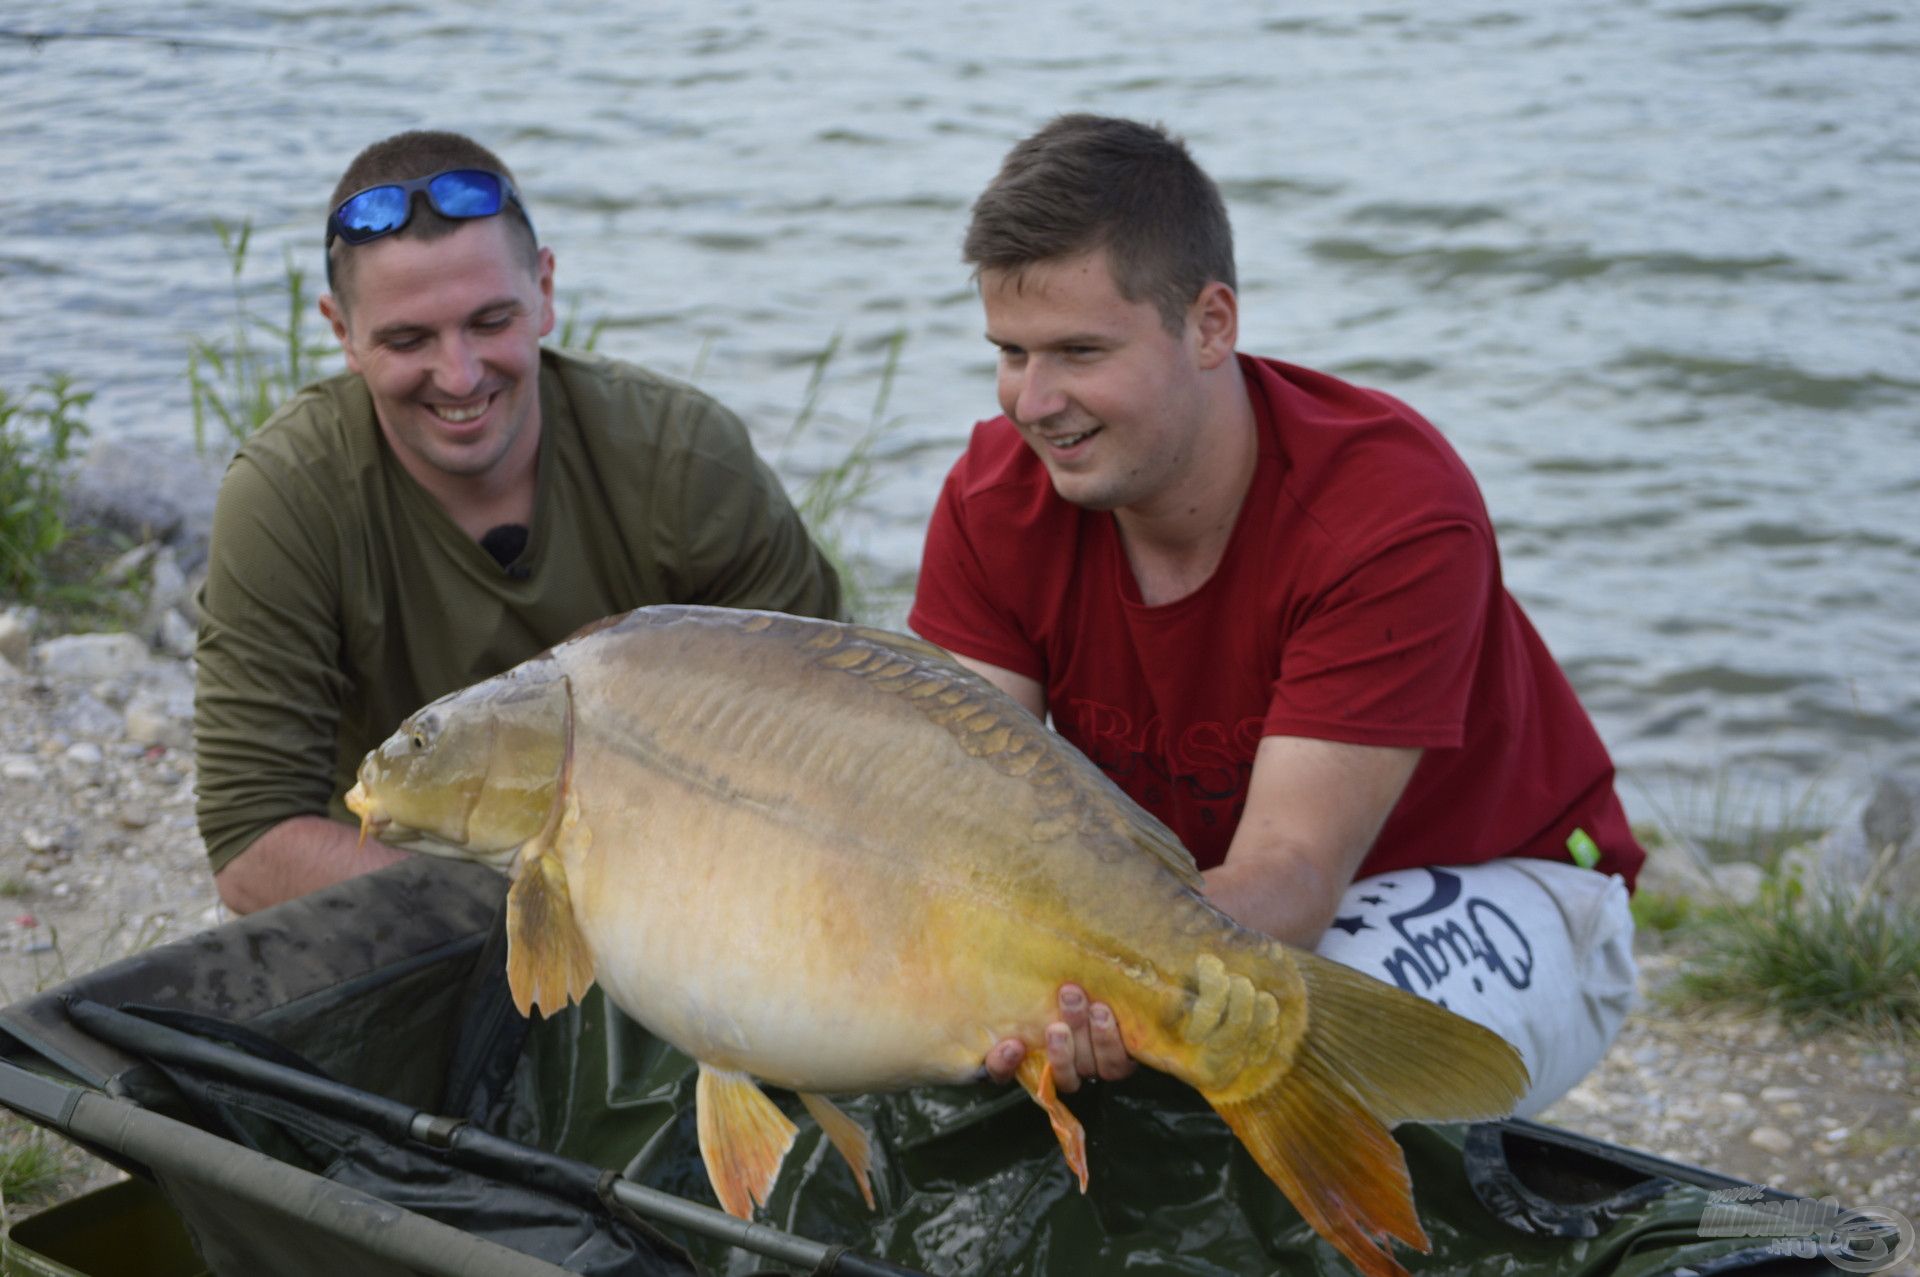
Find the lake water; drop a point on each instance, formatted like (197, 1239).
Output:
(1652, 266)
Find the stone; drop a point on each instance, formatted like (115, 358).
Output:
(84, 754)
(21, 769)
(123, 568)
(135, 816)
(16, 635)
(1778, 1094)
(90, 656)
(1739, 881)
(151, 490)
(176, 636)
(1771, 1139)
(161, 713)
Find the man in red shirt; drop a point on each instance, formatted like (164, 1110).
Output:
(1269, 605)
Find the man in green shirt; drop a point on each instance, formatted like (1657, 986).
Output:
(456, 502)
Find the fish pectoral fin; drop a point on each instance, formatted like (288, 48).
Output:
(845, 1135)
(1336, 1163)
(1036, 1075)
(743, 1137)
(548, 961)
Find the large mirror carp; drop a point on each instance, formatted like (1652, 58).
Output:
(829, 858)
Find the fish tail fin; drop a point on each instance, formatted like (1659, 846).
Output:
(743, 1137)
(1370, 1055)
(1036, 1075)
(548, 960)
(846, 1136)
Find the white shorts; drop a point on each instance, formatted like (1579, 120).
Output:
(1539, 952)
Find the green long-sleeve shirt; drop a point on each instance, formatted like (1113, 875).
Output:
(340, 597)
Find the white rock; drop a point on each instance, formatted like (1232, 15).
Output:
(84, 754)
(162, 714)
(1771, 1139)
(16, 636)
(1733, 1100)
(90, 656)
(1739, 882)
(177, 635)
(1837, 1134)
(21, 769)
(121, 570)
(1778, 1094)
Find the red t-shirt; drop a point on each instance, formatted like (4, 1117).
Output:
(1359, 599)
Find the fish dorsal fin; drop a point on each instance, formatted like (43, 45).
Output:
(548, 960)
(993, 727)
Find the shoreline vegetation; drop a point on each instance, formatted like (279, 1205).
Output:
(1781, 963)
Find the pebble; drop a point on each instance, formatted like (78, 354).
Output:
(1733, 1100)
(20, 769)
(1771, 1139)
(38, 841)
(1778, 1094)
(90, 656)
(1837, 1134)
(84, 754)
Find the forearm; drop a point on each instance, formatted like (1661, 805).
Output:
(296, 856)
(1295, 904)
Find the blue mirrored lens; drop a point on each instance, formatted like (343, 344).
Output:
(374, 212)
(465, 193)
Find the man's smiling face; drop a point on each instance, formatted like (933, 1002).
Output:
(446, 333)
(1102, 392)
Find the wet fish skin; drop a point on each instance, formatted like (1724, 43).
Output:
(829, 858)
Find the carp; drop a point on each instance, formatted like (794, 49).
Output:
(829, 858)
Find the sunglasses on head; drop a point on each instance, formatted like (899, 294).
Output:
(458, 193)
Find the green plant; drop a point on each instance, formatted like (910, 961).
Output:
(37, 436)
(571, 336)
(1817, 958)
(831, 493)
(239, 382)
(1659, 912)
(28, 1168)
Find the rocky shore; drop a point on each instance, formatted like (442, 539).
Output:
(100, 857)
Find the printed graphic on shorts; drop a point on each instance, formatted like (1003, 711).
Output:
(1450, 941)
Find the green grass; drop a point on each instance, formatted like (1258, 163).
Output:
(38, 434)
(832, 493)
(239, 380)
(1816, 960)
(29, 1167)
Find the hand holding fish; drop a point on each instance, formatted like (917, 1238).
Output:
(1084, 1044)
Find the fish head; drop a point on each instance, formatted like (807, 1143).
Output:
(478, 772)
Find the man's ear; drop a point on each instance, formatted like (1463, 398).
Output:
(1214, 322)
(546, 291)
(335, 313)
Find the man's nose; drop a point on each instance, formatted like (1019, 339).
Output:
(1034, 392)
(457, 372)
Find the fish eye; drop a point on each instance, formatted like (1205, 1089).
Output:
(417, 738)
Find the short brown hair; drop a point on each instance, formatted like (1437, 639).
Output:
(1087, 182)
(403, 157)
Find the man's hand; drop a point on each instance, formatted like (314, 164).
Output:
(296, 856)
(1083, 1043)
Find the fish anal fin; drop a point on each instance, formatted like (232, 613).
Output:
(743, 1137)
(548, 961)
(1336, 1163)
(1036, 1075)
(846, 1136)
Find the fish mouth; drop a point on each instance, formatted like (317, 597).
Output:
(372, 819)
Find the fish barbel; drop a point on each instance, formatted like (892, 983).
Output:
(829, 858)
